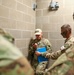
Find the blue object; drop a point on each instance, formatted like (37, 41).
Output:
(41, 58)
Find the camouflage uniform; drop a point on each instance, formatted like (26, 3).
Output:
(64, 65)
(12, 62)
(32, 57)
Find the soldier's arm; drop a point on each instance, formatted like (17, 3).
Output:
(56, 54)
(31, 47)
(48, 47)
(53, 55)
(66, 46)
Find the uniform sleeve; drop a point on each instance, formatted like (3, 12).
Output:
(48, 47)
(56, 54)
(31, 50)
(67, 45)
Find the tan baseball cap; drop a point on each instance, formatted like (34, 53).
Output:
(38, 31)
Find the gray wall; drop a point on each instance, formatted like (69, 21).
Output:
(19, 19)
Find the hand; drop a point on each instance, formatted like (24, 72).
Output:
(46, 70)
(37, 53)
(35, 46)
(48, 55)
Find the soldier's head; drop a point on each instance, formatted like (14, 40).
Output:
(38, 34)
(66, 31)
(6, 35)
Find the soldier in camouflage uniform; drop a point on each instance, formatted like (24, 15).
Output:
(12, 62)
(38, 42)
(65, 55)
(64, 65)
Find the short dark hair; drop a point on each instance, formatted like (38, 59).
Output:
(66, 27)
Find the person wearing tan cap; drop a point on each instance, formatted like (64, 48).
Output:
(38, 43)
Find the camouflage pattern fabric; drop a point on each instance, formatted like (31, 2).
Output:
(42, 43)
(68, 43)
(41, 68)
(7, 35)
(12, 61)
(61, 55)
(65, 66)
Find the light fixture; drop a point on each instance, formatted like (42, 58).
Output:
(34, 6)
(53, 5)
(73, 15)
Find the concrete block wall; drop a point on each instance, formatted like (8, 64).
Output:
(19, 19)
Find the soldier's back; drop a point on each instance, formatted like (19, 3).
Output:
(12, 62)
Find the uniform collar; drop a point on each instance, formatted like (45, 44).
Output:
(68, 39)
